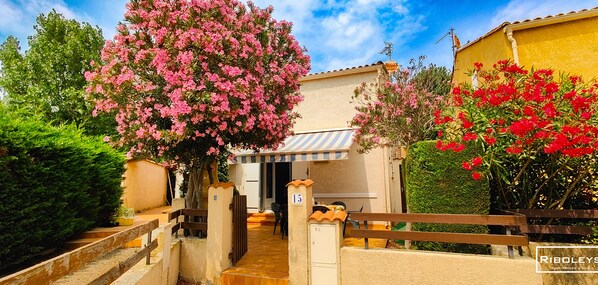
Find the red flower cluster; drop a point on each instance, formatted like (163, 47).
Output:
(469, 165)
(517, 112)
(454, 146)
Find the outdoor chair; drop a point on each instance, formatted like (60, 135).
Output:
(340, 203)
(320, 208)
(353, 222)
(277, 209)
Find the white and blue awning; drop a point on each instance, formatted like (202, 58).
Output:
(309, 146)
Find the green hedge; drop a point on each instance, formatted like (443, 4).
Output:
(436, 183)
(54, 183)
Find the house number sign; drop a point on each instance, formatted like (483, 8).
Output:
(297, 199)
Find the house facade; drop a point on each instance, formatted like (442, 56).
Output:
(322, 149)
(564, 42)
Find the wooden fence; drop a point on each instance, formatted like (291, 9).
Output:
(501, 220)
(194, 220)
(533, 215)
(239, 207)
(53, 269)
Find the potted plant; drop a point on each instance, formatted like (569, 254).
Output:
(125, 216)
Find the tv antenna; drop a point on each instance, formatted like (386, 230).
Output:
(455, 44)
(388, 49)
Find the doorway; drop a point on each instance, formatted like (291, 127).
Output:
(276, 176)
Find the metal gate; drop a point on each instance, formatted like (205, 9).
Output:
(239, 207)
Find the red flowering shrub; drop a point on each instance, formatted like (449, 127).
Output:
(540, 135)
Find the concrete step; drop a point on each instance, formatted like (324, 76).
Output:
(235, 276)
(261, 218)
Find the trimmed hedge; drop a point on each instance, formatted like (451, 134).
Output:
(436, 183)
(54, 183)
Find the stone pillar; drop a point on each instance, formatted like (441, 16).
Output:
(300, 208)
(220, 230)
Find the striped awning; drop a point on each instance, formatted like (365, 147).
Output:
(312, 146)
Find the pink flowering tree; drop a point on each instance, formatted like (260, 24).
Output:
(187, 80)
(399, 112)
(539, 134)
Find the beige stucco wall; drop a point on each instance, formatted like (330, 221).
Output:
(142, 274)
(193, 259)
(569, 47)
(360, 174)
(327, 102)
(378, 266)
(488, 51)
(175, 263)
(145, 185)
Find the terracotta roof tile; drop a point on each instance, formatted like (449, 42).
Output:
(306, 182)
(329, 216)
(348, 68)
(223, 184)
(591, 10)
(557, 15)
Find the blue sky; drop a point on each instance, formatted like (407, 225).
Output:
(337, 33)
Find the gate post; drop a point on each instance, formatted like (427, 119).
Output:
(220, 230)
(300, 208)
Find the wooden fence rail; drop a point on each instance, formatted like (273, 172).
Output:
(534, 214)
(501, 220)
(194, 219)
(74, 260)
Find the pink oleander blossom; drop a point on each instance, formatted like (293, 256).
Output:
(192, 78)
(399, 111)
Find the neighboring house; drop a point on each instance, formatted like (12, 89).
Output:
(144, 185)
(322, 149)
(564, 42)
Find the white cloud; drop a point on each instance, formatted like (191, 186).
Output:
(337, 33)
(17, 18)
(9, 16)
(34, 7)
(345, 33)
(297, 11)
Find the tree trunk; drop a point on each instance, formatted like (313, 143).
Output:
(194, 198)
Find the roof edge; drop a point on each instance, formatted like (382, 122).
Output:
(498, 28)
(559, 18)
(342, 72)
(223, 184)
(537, 22)
(298, 182)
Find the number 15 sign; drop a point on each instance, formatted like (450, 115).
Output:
(297, 199)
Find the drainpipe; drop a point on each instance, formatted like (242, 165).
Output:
(509, 32)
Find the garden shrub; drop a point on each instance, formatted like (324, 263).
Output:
(436, 184)
(55, 183)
